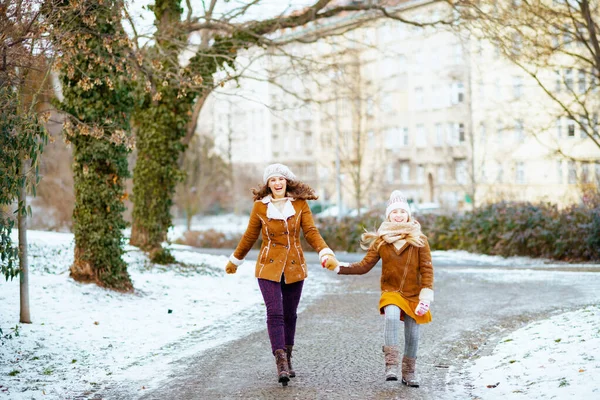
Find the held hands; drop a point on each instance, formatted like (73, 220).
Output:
(330, 262)
(422, 308)
(231, 268)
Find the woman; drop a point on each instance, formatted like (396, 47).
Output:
(406, 282)
(280, 211)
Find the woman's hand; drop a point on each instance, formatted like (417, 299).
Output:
(231, 268)
(330, 262)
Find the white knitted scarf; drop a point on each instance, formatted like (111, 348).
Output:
(391, 232)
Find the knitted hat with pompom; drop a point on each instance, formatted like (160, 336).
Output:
(397, 201)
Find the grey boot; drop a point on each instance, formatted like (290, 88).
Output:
(391, 362)
(283, 372)
(409, 376)
(288, 348)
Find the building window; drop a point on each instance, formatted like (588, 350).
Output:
(597, 172)
(405, 137)
(558, 81)
(559, 127)
(482, 132)
(569, 78)
(390, 173)
(517, 87)
(559, 171)
(461, 133)
(421, 139)
(520, 172)
(460, 170)
(439, 134)
(405, 172)
(419, 97)
(499, 130)
(572, 172)
(458, 92)
(581, 80)
(371, 140)
(585, 172)
(458, 53)
(519, 134)
(570, 127)
(584, 127)
(420, 174)
(441, 174)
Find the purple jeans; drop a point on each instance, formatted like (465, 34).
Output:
(281, 301)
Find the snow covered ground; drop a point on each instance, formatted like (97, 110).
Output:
(558, 358)
(83, 336)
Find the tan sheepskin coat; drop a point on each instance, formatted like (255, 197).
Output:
(406, 270)
(281, 252)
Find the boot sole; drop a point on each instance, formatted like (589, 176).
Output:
(284, 380)
(391, 378)
(407, 384)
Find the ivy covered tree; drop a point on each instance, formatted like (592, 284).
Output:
(161, 117)
(98, 102)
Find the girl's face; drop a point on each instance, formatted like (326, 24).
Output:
(277, 184)
(399, 215)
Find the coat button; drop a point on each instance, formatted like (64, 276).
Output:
(287, 247)
(272, 234)
(273, 244)
(271, 260)
(293, 261)
(285, 233)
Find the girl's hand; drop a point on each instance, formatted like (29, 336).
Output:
(422, 308)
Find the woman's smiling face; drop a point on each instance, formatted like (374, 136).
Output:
(277, 184)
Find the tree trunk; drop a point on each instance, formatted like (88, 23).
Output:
(24, 273)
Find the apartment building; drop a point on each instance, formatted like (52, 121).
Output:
(434, 112)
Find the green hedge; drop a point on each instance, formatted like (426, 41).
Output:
(505, 229)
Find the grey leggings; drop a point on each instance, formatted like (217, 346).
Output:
(392, 328)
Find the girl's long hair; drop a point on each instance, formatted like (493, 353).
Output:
(295, 189)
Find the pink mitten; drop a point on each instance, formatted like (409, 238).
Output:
(422, 308)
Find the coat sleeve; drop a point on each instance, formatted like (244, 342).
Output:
(425, 266)
(364, 265)
(311, 233)
(249, 237)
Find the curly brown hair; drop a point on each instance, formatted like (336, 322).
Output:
(295, 189)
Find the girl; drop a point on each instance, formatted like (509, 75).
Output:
(406, 282)
(280, 211)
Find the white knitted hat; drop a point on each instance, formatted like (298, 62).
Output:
(278, 170)
(397, 200)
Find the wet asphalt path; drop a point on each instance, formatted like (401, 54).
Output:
(339, 336)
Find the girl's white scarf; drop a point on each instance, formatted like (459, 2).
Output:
(391, 232)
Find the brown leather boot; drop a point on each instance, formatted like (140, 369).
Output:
(288, 349)
(283, 372)
(409, 376)
(391, 362)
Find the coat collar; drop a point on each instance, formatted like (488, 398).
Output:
(274, 213)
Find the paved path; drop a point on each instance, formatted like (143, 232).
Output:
(339, 337)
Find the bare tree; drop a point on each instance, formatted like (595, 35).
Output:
(556, 43)
(182, 90)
